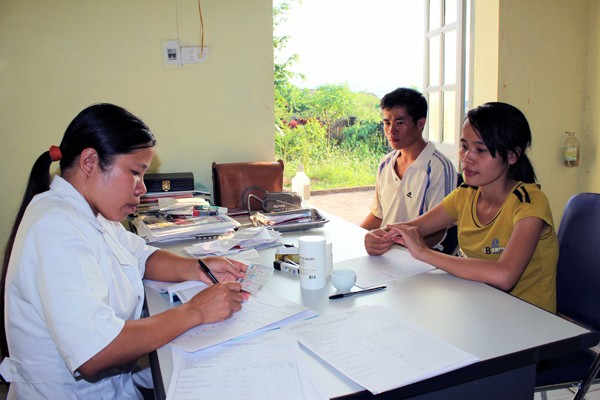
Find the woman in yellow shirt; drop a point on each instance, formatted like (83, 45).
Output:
(505, 227)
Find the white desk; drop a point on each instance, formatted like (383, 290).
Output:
(507, 334)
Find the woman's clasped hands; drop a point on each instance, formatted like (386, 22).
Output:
(379, 241)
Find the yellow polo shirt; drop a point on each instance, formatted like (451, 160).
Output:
(537, 285)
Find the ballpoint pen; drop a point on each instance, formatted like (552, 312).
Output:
(341, 295)
(207, 271)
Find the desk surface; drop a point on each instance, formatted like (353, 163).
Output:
(503, 331)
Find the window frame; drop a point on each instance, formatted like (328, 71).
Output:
(435, 129)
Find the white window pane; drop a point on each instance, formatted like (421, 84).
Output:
(433, 119)
(449, 11)
(450, 57)
(434, 61)
(435, 14)
(449, 116)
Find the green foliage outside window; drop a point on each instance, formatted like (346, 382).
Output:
(333, 132)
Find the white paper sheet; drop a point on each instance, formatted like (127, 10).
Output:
(260, 367)
(377, 348)
(376, 270)
(261, 310)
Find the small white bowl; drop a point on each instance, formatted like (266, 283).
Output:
(343, 279)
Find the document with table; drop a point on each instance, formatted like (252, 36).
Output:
(377, 349)
(259, 367)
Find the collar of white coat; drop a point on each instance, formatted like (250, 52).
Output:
(68, 192)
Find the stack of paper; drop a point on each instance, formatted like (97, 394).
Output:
(157, 227)
(250, 238)
(262, 311)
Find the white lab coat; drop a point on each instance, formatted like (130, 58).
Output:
(73, 280)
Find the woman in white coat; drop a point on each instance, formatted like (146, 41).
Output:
(72, 277)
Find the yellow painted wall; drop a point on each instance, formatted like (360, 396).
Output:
(544, 69)
(590, 137)
(57, 57)
(485, 52)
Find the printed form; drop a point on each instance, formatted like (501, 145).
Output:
(377, 348)
(258, 367)
(376, 270)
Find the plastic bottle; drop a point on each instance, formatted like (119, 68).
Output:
(311, 252)
(571, 150)
(301, 185)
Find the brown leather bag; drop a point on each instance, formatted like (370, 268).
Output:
(232, 180)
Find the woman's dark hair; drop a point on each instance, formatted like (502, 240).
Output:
(504, 128)
(107, 128)
(412, 100)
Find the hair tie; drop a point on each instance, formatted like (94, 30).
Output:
(55, 153)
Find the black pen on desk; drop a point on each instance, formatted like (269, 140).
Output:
(207, 271)
(341, 295)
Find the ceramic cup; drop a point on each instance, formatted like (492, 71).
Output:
(343, 279)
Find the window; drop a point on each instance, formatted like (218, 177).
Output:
(445, 72)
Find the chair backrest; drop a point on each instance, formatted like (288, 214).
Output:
(578, 270)
(231, 180)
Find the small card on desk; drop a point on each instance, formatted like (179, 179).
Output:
(256, 274)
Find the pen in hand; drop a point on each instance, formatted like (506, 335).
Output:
(206, 270)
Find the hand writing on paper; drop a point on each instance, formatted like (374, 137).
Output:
(216, 303)
(225, 269)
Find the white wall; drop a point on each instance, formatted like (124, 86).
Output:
(57, 57)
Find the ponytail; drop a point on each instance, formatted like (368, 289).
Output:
(522, 170)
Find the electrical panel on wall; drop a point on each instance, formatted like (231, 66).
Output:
(174, 55)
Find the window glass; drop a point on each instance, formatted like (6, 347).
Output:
(449, 116)
(435, 14)
(449, 11)
(434, 61)
(433, 117)
(450, 57)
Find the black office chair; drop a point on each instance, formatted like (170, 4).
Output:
(450, 242)
(577, 294)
